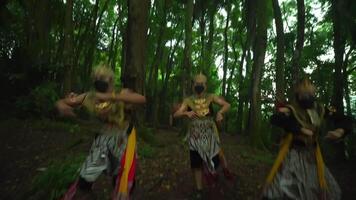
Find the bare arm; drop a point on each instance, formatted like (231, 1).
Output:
(183, 111)
(129, 96)
(225, 106)
(65, 106)
(125, 95)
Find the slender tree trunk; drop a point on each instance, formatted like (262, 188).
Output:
(68, 46)
(202, 25)
(258, 62)
(88, 62)
(346, 82)
(152, 91)
(226, 50)
(232, 75)
(124, 31)
(339, 50)
(169, 66)
(86, 44)
(280, 52)
(114, 34)
(241, 96)
(187, 60)
(297, 54)
(250, 21)
(209, 46)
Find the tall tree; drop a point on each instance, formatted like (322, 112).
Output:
(136, 44)
(297, 54)
(158, 59)
(226, 47)
(339, 50)
(187, 60)
(208, 57)
(259, 51)
(346, 74)
(68, 47)
(280, 52)
(250, 23)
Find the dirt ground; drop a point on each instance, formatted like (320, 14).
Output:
(28, 147)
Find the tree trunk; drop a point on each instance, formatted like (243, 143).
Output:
(113, 47)
(152, 91)
(258, 62)
(280, 52)
(169, 67)
(241, 96)
(202, 25)
(68, 46)
(226, 50)
(88, 61)
(339, 50)
(297, 54)
(209, 46)
(136, 43)
(232, 74)
(346, 82)
(250, 21)
(187, 60)
(86, 46)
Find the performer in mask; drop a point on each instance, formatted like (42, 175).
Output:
(114, 148)
(299, 171)
(202, 133)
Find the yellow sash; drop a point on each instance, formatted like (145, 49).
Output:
(129, 156)
(282, 154)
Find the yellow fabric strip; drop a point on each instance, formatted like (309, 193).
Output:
(281, 155)
(129, 156)
(320, 167)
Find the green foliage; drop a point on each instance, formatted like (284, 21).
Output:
(146, 151)
(55, 180)
(40, 101)
(147, 135)
(32, 51)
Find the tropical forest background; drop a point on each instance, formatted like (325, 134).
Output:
(252, 51)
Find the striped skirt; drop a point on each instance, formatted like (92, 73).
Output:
(104, 155)
(297, 178)
(203, 138)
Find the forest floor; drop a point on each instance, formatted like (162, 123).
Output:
(37, 156)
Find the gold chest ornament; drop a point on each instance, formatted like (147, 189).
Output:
(113, 112)
(201, 106)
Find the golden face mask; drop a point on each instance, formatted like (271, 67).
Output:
(200, 78)
(104, 73)
(305, 86)
(199, 83)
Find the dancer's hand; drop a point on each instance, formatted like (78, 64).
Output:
(191, 114)
(219, 117)
(71, 97)
(284, 110)
(65, 110)
(306, 131)
(335, 134)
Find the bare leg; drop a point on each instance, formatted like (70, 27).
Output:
(226, 171)
(198, 178)
(222, 159)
